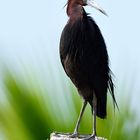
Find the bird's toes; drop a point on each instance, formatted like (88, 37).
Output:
(74, 135)
(91, 137)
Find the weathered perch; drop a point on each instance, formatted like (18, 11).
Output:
(65, 136)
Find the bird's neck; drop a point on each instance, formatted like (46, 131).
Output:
(74, 11)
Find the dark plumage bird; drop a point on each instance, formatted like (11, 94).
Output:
(84, 58)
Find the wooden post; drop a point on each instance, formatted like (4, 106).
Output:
(65, 136)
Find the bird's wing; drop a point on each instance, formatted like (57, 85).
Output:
(63, 51)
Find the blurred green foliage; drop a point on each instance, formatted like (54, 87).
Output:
(29, 115)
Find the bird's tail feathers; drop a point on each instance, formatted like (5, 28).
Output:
(101, 107)
(111, 90)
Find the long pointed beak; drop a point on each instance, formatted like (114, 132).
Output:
(96, 6)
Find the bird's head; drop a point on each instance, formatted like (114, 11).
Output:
(91, 3)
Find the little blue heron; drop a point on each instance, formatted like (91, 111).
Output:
(84, 58)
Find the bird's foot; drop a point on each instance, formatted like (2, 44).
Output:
(91, 137)
(74, 135)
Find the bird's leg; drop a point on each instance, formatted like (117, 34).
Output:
(94, 134)
(94, 115)
(75, 133)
